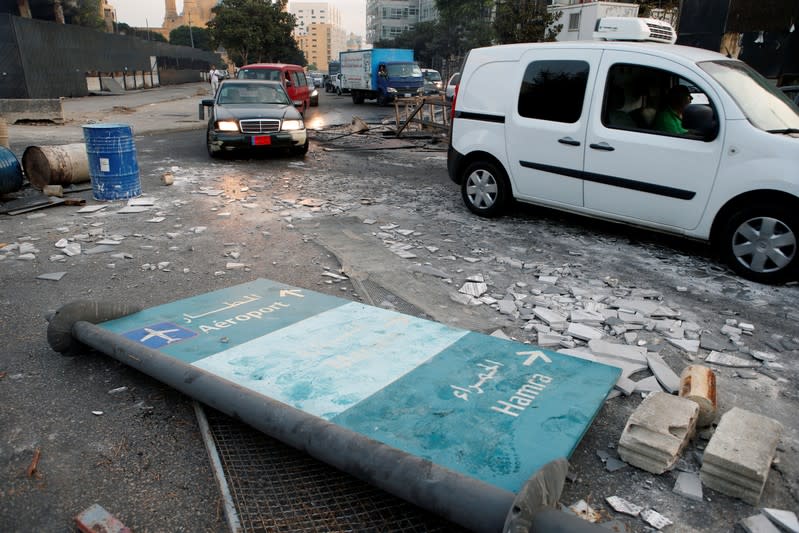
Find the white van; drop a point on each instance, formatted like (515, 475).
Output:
(677, 139)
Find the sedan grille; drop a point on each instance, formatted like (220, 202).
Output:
(260, 125)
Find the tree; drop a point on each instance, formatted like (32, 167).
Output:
(147, 35)
(525, 21)
(198, 37)
(465, 24)
(255, 31)
(83, 13)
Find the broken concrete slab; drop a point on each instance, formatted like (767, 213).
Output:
(583, 332)
(655, 519)
(687, 345)
(663, 372)
(785, 519)
(713, 342)
(724, 359)
(657, 432)
(738, 457)
(554, 319)
(475, 289)
(689, 485)
(507, 307)
(620, 505)
(634, 354)
(650, 384)
(632, 306)
(52, 276)
(758, 523)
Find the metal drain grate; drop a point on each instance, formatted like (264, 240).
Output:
(276, 488)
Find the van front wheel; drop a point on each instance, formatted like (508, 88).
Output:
(759, 242)
(485, 189)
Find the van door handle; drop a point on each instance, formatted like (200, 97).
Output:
(569, 141)
(602, 146)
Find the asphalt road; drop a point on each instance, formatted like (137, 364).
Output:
(142, 457)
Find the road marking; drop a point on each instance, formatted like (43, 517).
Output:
(533, 356)
(291, 292)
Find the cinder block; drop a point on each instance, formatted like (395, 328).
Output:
(658, 430)
(738, 457)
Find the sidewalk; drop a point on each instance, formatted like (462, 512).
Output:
(170, 108)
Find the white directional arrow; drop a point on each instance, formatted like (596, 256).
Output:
(291, 292)
(532, 356)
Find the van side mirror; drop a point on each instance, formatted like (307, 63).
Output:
(208, 102)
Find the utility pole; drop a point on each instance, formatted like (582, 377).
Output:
(191, 34)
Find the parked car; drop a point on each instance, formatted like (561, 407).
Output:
(292, 76)
(792, 92)
(433, 84)
(453, 82)
(254, 114)
(314, 99)
(317, 78)
(574, 126)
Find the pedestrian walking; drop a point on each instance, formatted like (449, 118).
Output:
(213, 77)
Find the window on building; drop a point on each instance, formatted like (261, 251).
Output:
(574, 21)
(554, 90)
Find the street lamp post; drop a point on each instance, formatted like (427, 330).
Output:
(191, 35)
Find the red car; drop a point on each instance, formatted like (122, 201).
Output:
(292, 76)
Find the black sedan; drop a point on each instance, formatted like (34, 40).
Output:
(251, 114)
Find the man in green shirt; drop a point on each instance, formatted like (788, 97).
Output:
(669, 119)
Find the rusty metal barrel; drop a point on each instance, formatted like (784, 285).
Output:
(56, 165)
(4, 133)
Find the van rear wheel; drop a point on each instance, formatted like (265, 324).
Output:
(759, 242)
(485, 189)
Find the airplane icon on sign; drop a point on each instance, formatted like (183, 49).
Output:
(162, 334)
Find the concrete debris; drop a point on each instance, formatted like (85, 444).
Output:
(369, 221)
(476, 278)
(625, 385)
(464, 299)
(475, 289)
(108, 242)
(620, 505)
(405, 232)
(634, 354)
(129, 209)
(334, 276)
(235, 266)
(689, 485)
(117, 390)
(471, 259)
(27, 248)
(690, 346)
(585, 511)
(645, 307)
(96, 518)
(26, 257)
(724, 359)
(650, 384)
(657, 432)
(431, 249)
(500, 335)
(613, 464)
(92, 208)
(550, 339)
(583, 332)
(738, 457)
(713, 342)
(785, 519)
(141, 201)
(553, 319)
(53, 276)
(591, 318)
(763, 356)
(731, 331)
(758, 523)
(548, 279)
(507, 307)
(655, 519)
(663, 372)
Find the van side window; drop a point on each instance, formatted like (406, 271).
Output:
(554, 90)
(656, 101)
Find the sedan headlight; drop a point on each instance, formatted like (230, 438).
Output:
(227, 125)
(292, 125)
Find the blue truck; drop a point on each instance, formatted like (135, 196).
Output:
(380, 74)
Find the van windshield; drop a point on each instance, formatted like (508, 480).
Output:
(764, 105)
(402, 70)
(259, 74)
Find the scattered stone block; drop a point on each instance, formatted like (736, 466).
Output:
(657, 432)
(625, 385)
(583, 332)
(650, 384)
(635, 354)
(620, 505)
(52, 276)
(655, 519)
(663, 372)
(758, 523)
(713, 342)
(785, 519)
(763, 356)
(690, 346)
(553, 319)
(507, 307)
(724, 359)
(738, 457)
(550, 339)
(475, 289)
(689, 485)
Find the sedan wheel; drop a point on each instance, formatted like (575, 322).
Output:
(215, 153)
(761, 243)
(485, 189)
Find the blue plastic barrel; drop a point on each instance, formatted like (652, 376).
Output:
(113, 167)
(10, 171)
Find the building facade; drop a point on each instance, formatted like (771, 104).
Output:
(386, 19)
(318, 32)
(195, 13)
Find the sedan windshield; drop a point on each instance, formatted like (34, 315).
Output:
(764, 105)
(252, 94)
(401, 70)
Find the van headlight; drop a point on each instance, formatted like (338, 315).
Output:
(315, 92)
(292, 125)
(391, 90)
(227, 125)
